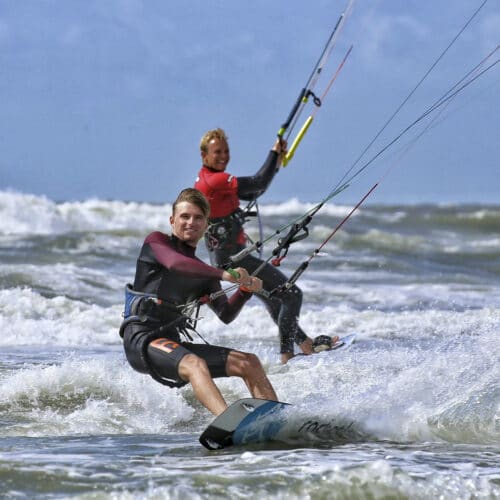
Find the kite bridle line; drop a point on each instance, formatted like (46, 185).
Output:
(443, 101)
(300, 223)
(412, 92)
(345, 181)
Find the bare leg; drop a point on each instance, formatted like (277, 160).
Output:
(195, 370)
(307, 346)
(285, 356)
(248, 367)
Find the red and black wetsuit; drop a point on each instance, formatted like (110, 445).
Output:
(169, 270)
(226, 237)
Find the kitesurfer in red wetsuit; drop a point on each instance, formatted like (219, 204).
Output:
(169, 276)
(226, 237)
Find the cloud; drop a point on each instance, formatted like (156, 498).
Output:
(390, 36)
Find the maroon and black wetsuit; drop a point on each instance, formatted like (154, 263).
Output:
(169, 270)
(226, 237)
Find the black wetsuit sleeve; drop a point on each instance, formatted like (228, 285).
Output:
(251, 187)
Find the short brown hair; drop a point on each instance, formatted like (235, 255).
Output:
(191, 195)
(216, 133)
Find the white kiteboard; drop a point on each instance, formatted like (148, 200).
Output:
(343, 342)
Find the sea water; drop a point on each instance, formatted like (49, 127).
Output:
(418, 393)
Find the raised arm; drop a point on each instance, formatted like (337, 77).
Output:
(251, 187)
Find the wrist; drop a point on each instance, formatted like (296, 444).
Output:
(233, 273)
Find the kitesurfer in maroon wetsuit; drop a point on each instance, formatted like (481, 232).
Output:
(169, 276)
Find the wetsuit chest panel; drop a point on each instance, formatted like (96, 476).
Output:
(221, 190)
(181, 289)
(155, 278)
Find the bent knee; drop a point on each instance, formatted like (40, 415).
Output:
(191, 365)
(242, 364)
(253, 361)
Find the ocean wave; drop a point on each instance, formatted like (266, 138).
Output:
(295, 207)
(393, 242)
(30, 214)
(28, 318)
(401, 393)
(296, 474)
(472, 419)
(100, 395)
(409, 377)
(25, 214)
(70, 279)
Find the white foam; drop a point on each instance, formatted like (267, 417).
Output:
(90, 396)
(29, 214)
(410, 375)
(295, 207)
(408, 386)
(27, 318)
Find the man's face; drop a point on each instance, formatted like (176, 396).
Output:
(188, 223)
(217, 155)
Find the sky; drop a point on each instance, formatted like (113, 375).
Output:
(109, 98)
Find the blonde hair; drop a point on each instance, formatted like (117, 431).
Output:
(195, 197)
(216, 133)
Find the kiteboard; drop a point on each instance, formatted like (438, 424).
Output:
(248, 420)
(251, 420)
(319, 347)
(343, 342)
(259, 422)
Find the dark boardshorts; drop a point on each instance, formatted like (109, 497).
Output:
(164, 356)
(160, 355)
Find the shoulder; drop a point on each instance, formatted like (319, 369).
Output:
(157, 237)
(217, 179)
